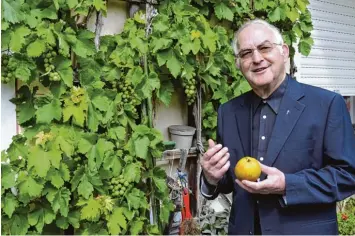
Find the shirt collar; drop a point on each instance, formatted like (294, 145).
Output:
(274, 100)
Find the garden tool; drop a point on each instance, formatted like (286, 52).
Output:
(188, 225)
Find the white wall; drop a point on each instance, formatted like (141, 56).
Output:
(175, 114)
(114, 22)
(8, 115)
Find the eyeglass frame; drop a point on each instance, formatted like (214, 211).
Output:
(253, 49)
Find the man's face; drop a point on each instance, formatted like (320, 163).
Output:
(264, 67)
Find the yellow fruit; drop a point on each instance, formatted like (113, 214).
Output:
(247, 168)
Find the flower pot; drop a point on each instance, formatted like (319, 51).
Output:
(182, 135)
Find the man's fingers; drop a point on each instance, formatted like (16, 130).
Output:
(267, 169)
(218, 156)
(212, 151)
(211, 143)
(222, 161)
(246, 188)
(253, 185)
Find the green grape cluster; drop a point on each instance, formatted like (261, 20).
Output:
(7, 69)
(190, 90)
(48, 66)
(118, 186)
(128, 95)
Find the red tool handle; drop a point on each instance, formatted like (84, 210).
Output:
(186, 214)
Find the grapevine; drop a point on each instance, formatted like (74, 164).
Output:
(8, 69)
(84, 164)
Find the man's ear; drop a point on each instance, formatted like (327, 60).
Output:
(237, 63)
(285, 52)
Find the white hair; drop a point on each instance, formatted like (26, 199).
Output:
(275, 30)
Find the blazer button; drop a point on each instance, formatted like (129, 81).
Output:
(251, 233)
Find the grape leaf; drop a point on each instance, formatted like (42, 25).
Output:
(36, 48)
(18, 38)
(7, 177)
(112, 162)
(64, 171)
(10, 204)
(275, 15)
(72, 3)
(91, 211)
(48, 112)
(136, 199)
(116, 221)
(84, 146)
(117, 133)
(165, 92)
(59, 199)
(19, 224)
(41, 217)
(78, 175)
(30, 186)
(165, 209)
(147, 86)
(63, 67)
(160, 43)
(174, 65)
(56, 178)
(65, 145)
(136, 227)
(209, 40)
(78, 112)
(131, 172)
(222, 11)
(101, 102)
(292, 14)
(302, 5)
(85, 188)
(93, 118)
(100, 5)
(84, 45)
(141, 146)
(62, 222)
(23, 73)
(11, 12)
(42, 160)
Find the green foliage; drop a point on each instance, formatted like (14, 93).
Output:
(82, 128)
(346, 217)
(83, 110)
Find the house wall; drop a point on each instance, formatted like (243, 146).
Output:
(8, 115)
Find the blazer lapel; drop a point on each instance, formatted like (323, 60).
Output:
(243, 118)
(287, 117)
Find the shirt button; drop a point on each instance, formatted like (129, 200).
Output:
(262, 137)
(264, 117)
(261, 158)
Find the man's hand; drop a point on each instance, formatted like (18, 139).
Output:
(273, 184)
(215, 162)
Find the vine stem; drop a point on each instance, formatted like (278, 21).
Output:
(154, 204)
(98, 28)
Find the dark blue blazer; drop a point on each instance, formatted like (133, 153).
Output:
(312, 143)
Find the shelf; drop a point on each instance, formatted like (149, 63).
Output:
(176, 153)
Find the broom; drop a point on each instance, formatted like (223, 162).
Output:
(188, 225)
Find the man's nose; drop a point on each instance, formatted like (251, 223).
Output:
(257, 57)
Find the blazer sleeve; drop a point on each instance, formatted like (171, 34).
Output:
(225, 185)
(336, 180)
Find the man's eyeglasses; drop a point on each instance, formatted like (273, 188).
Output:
(263, 49)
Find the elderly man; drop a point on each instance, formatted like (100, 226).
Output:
(301, 135)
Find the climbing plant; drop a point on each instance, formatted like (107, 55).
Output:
(85, 161)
